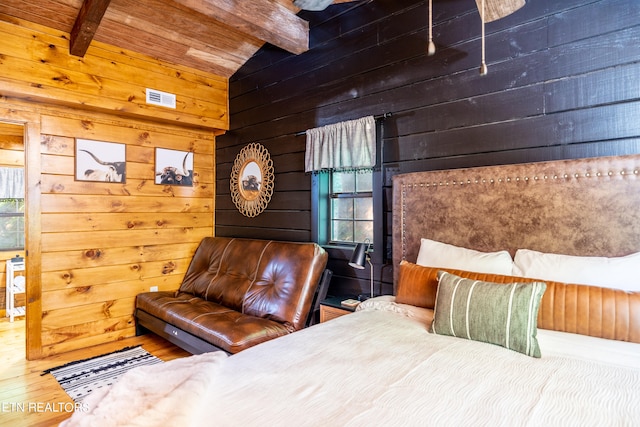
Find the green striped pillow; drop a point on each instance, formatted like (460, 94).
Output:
(502, 314)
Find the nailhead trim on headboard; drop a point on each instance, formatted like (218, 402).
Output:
(575, 187)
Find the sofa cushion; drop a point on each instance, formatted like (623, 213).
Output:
(263, 278)
(237, 293)
(225, 328)
(221, 271)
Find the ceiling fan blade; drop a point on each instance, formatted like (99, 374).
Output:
(314, 5)
(496, 9)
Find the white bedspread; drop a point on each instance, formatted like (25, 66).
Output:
(382, 368)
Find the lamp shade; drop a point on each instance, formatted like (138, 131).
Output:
(359, 255)
(496, 9)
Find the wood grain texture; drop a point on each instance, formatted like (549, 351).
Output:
(86, 25)
(103, 243)
(562, 84)
(268, 21)
(37, 66)
(216, 36)
(93, 245)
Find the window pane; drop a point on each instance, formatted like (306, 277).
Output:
(343, 182)
(342, 231)
(342, 209)
(364, 181)
(364, 231)
(11, 226)
(364, 208)
(351, 206)
(12, 233)
(7, 205)
(12, 206)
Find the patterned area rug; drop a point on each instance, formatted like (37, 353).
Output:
(81, 377)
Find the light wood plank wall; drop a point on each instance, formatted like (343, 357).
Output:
(103, 243)
(36, 64)
(100, 244)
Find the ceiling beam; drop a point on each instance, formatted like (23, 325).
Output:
(266, 20)
(86, 25)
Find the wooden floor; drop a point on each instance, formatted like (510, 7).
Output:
(29, 399)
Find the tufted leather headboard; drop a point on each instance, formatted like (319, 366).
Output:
(588, 207)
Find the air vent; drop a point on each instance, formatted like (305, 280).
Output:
(162, 99)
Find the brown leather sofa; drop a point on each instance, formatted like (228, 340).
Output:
(236, 293)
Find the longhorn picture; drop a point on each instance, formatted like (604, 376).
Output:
(100, 161)
(174, 167)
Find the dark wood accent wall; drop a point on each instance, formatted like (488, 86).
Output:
(563, 82)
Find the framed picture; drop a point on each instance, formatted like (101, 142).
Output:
(174, 167)
(100, 161)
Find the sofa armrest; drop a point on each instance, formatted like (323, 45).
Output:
(321, 294)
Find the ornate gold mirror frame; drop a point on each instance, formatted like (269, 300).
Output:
(252, 180)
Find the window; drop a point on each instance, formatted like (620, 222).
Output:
(343, 158)
(351, 206)
(11, 224)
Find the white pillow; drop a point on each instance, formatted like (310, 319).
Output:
(444, 255)
(615, 273)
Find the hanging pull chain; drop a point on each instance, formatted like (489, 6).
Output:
(483, 65)
(431, 48)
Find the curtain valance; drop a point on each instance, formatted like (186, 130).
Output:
(11, 183)
(342, 146)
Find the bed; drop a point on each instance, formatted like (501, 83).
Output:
(437, 352)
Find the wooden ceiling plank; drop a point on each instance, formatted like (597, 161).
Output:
(40, 12)
(165, 21)
(266, 20)
(86, 25)
(289, 5)
(165, 50)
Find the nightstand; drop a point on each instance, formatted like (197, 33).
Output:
(330, 308)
